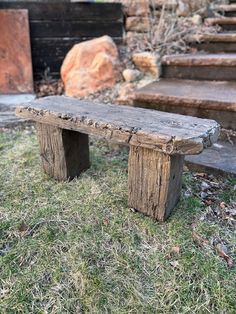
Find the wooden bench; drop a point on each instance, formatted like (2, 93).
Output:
(158, 142)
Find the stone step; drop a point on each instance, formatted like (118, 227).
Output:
(218, 159)
(7, 109)
(228, 10)
(8, 102)
(200, 66)
(205, 99)
(227, 23)
(214, 43)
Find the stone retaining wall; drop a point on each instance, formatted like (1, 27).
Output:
(137, 13)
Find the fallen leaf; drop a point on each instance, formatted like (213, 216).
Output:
(200, 174)
(23, 227)
(222, 252)
(208, 202)
(199, 240)
(105, 222)
(222, 205)
(175, 250)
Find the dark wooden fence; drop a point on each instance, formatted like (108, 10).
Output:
(56, 26)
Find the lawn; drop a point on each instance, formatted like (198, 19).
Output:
(76, 247)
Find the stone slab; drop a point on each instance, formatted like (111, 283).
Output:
(15, 53)
(218, 159)
(201, 59)
(214, 47)
(9, 102)
(219, 95)
(8, 119)
(211, 72)
(221, 20)
(213, 37)
(225, 7)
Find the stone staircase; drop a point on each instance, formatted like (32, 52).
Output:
(200, 66)
(214, 43)
(203, 84)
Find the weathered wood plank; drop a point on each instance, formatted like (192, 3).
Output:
(164, 132)
(61, 29)
(154, 182)
(64, 153)
(50, 53)
(57, 46)
(66, 11)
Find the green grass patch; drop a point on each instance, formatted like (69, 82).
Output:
(76, 247)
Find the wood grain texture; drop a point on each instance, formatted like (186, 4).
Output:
(64, 153)
(66, 11)
(154, 182)
(160, 131)
(57, 47)
(59, 29)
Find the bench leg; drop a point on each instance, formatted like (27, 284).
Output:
(154, 181)
(64, 153)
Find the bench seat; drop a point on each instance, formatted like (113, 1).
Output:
(158, 142)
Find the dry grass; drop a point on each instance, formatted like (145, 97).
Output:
(168, 33)
(77, 248)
